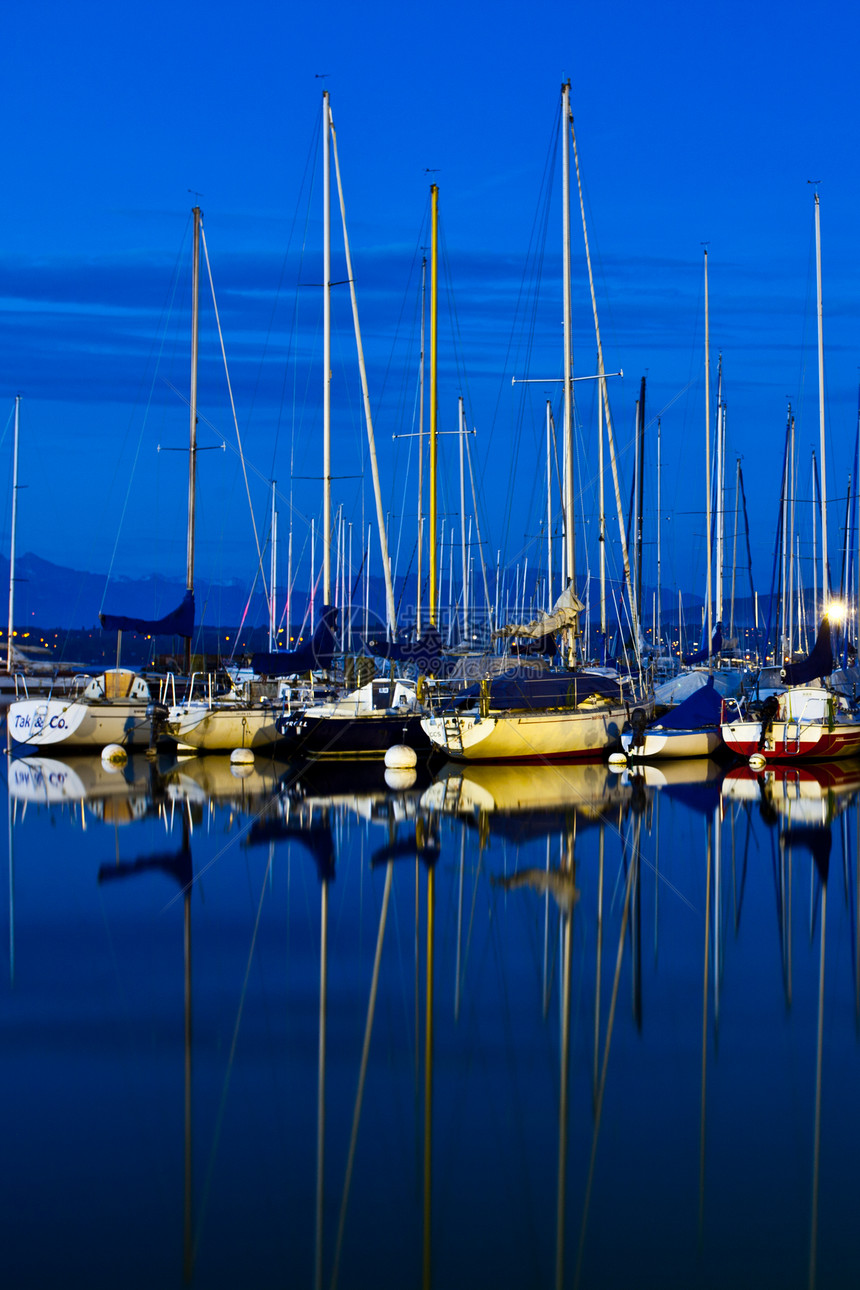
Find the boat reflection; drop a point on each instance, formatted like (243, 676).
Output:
(178, 866)
(116, 794)
(814, 794)
(695, 782)
(215, 780)
(528, 801)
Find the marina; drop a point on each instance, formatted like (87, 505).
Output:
(430, 682)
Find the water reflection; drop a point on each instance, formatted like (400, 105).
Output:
(463, 1031)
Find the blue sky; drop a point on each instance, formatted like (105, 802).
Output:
(692, 127)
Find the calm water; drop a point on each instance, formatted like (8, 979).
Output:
(512, 1027)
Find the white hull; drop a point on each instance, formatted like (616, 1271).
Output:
(111, 709)
(221, 729)
(671, 743)
(79, 723)
(519, 737)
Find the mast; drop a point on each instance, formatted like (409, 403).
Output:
(434, 232)
(326, 352)
(371, 441)
(783, 609)
(569, 526)
(273, 625)
(658, 632)
(610, 437)
(601, 395)
(708, 465)
(720, 482)
(421, 446)
(549, 599)
(12, 538)
(192, 450)
(791, 568)
(815, 611)
(464, 546)
(735, 547)
(825, 581)
(640, 491)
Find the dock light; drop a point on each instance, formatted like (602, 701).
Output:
(836, 611)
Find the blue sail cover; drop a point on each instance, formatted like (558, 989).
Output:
(702, 710)
(318, 652)
(425, 653)
(818, 663)
(701, 655)
(537, 689)
(180, 622)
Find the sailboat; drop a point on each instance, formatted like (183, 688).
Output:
(382, 712)
(530, 713)
(23, 674)
(379, 713)
(692, 729)
(805, 722)
(118, 707)
(209, 722)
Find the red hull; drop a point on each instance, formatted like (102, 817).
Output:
(831, 745)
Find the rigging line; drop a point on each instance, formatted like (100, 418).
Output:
(422, 237)
(604, 1068)
(292, 346)
(222, 1106)
(233, 407)
(403, 504)
(534, 267)
(310, 162)
(255, 470)
(406, 576)
(537, 237)
(404, 389)
(526, 314)
(167, 310)
(9, 420)
(245, 613)
(377, 489)
(365, 1055)
(454, 319)
(480, 541)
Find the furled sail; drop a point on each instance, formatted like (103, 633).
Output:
(180, 622)
(565, 613)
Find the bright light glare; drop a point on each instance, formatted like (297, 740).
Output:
(836, 611)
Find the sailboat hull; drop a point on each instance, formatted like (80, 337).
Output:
(657, 744)
(38, 723)
(369, 735)
(528, 736)
(223, 729)
(784, 741)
